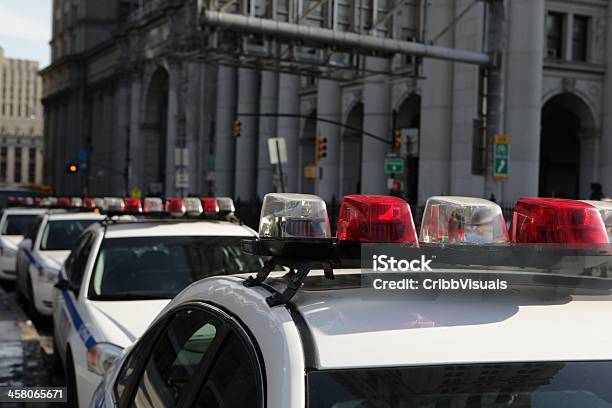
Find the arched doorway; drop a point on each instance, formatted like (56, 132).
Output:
(307, 153)
(565, 117)
(408, 120)
(350, 148)
(154, 129)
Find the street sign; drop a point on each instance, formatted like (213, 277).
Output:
(394, 165)
(501, 157)
(277, 147)
(182, 180)
(136, 193)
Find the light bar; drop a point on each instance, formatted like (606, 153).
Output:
(605, 209)
(294, 216)
(193, 206)
(132, 205)
(556, 220)
(226, 205)
(153, 205)
(113, 204)
(372, 218)
(175, 206)
(462, 220)
(210, 205)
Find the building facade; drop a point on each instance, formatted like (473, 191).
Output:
(21, 122)
(145, 99)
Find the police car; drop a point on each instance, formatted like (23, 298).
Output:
(302, 340)
(14, 224)
(121, 274)
(43, 251)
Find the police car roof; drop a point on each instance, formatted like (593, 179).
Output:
(359, 327)
(61, 215)
(24, 211)
(176, 227)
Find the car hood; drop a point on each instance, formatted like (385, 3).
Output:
(53, 259)
(11, 241)
(123, 322)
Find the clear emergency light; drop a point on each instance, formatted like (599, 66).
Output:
(76, 202)
(193, 206)
(605, 209)
(113, 204)
(153, 205)
(372, 218)
(462, 220)
(100, 203)
(226, 205)
(556, 220)
(175, 206)
(132, 205)
(294, 216)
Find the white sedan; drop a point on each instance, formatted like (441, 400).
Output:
(42, 253)
(121, 275)
(14, 224)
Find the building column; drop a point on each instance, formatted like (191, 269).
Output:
(246, 146)
(605, 169)
(10, 164)
(225, 142)
(135, 175)
(523, 110)
(436, 110)
(121, 107)
(38, 167)
(289, 128)
(267, 129)
(329, 103)
(377, 110)
(174, 92)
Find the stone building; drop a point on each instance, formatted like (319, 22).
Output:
(21, 122)
(135, 92)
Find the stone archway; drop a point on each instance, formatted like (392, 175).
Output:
(154, 129)
(566, 149)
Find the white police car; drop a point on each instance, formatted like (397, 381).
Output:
(14, 224)
(43, 251)
(236, 342)
(122, 273)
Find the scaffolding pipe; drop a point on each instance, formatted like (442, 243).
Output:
(341, 39)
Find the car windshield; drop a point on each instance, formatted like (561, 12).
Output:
(63, 234)
(534, 385)
(17, 224)
(160, 267)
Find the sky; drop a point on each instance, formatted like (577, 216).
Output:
(25, 29)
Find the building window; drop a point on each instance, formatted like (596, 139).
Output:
(554, 35)
(3, 159)
(17, 177)
(580, 38)
(32, 165)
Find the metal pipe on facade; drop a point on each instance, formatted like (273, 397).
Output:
(341, 39)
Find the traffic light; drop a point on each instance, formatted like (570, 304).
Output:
(72, 168)
(237, 128)
(321, 147)
(397, 140)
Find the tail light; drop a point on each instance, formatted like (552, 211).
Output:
(63, 202)
(175, 206)
(153, 205)
(113, 204)
(374, 218)
(555, 220)
(294, 216)
(76, 202)
(210, 205)
(462, 220)
(193, 206)
(226, 205)
(132, 205)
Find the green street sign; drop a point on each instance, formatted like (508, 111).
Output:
(501, 157)
(394, 166)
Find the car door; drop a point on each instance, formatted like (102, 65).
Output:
(176, 358)
(22, 260)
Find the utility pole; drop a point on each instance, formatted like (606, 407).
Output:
(496, 36)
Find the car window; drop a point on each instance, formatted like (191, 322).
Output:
(69, 264)
(33, 230)
(175, 358)
(17, 224)
(80, 261)
(232, 381)
(63, 234)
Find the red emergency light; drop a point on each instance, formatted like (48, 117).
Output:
(210, 205)
(63, 202)
(175, 206)
(132, 205)
(556, 220)
(372, 218)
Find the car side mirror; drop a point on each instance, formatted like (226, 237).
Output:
(63, 284)
(26, 243)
